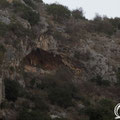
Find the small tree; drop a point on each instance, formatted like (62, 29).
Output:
(115, 22)
(98, 17)
(59, 12)
(103, 25)
(78, 14)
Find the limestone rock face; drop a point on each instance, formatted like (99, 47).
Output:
(5, 20)
(24, 23)
(4, 17)
(47, 43)
(100, 56)
(10, 1)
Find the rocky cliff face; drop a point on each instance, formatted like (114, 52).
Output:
(40, 49)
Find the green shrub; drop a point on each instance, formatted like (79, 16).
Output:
(30, 3)
(78, 14)
(59, 12)
(60, 96)
(100, 81)
(20, 31)
(106, 103)
(2, 48)
(31, 16)
(26, 12)
(85, 100)
(115, 22)
(102, 111)
(103, 25)
(11, 90)
(25, 104)
(3, 29)
(98, 18)
(99, 114)
(39, 104)
(60, 88)
(62, 77)
(32, 83)
(16, 28)
(59, 37)
(26, 114)
(39, 1)
(4, 4)
(2, 52)
(94, 114)
(118, 76)
(19, 7)
(59, 92)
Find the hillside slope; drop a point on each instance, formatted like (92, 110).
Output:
(56, 64)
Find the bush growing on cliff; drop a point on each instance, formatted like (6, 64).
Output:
(18, 29)
(103, 25)
(26, 12)
(115, 22)
(25, 114)
(59, 12)
(2, 48)
(61, 96)
(4, 3)
(118, 76)
(2, 51)
(101, 111)
(30, 3)
(39, 1)
(3, 29)
(60, 37)
(39, 104)
(11, 90)
(31, 16)
(100, 81)
(60, 88)
(78, 14)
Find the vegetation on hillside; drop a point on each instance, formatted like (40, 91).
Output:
(78, 14)
(4, 4)
(43, 94)
(59, 12)
(100, 24)
(26, 12)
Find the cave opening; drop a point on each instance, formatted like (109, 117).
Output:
(43, 59)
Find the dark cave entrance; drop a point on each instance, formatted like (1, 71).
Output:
(42, 59)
